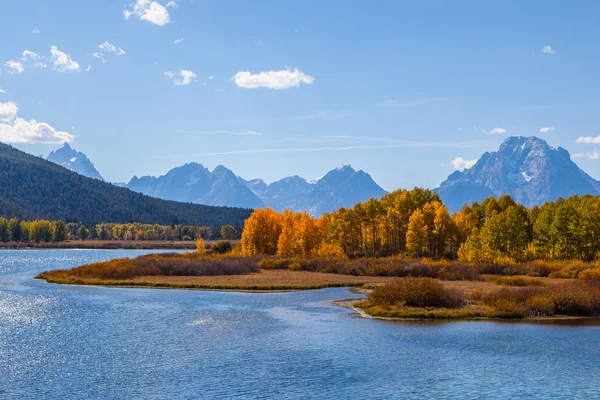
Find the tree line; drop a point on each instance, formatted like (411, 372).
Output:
(415, 223)
(16, 230)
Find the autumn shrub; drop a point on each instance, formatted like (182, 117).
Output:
(416, 292)
(575, 298)
(516, 281)
(222, 247)
(592, 274)
(539, 268)
(572, 299)
(570, 269)
(458, 272)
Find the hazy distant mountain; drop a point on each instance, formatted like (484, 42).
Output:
(526, 168)
(341, 187)
(282, 193)
(192, 183)
(75, 161)
(195, 184)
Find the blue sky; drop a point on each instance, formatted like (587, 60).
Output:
(275, 88)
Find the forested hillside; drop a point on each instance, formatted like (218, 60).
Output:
(32, 188)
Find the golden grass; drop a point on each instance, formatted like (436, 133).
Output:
(263, 280)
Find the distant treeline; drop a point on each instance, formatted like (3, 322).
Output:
(16, 230)
(416, 224)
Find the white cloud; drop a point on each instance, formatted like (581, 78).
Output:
(181, 78)
(62, 62)
(109, 48)
(2, 90)
(30, 55)
(36, 31)
(177, 41)
(283, 79)
(150, 11)
(173, 4)
(497, 131)
(8, 111)
(548, 49)
(19, 130)
(588, 140)
(460, 163)
(210, 78)
(100, 57)
(15, 67)
(595, 155)
(88, 69)
(547, 129)
(34, 57)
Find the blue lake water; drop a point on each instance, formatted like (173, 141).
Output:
(67, 342)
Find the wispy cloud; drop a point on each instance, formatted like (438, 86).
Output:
(588, 140)
(181, 78)
(177, 41)
(36, 31)
(2, 90)
(36, 59)
(398, 144)
(283, 79)
(323, 114)
(150, 11)
(14, 67)
(548, 50)
(298, 150)
(595, 155)
(411, 103)
(544, 107)
(460, 163)
(222, 132)
(496, 131)
(109, 48)
(547, 129)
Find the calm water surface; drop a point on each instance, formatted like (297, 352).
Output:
(66, 342)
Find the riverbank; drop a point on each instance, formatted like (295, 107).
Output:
(106, 245)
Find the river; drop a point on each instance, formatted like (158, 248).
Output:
(68, 342)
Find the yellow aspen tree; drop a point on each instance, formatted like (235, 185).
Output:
(416, 236)
(200, 247)
(261, 232)
(286, 245)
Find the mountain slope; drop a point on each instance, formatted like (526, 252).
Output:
(341, 187)
(75, 161)
(31, 187)
(192, 183)
(526, 168)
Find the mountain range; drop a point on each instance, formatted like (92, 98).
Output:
(526, 168)
(75, 161)
(193, 183)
